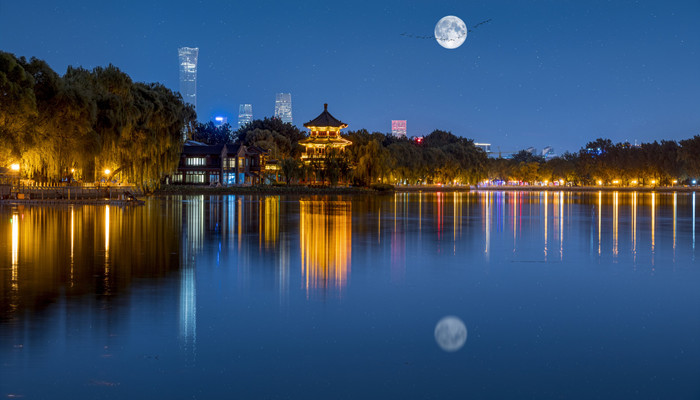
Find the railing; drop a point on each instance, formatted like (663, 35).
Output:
(73, 192)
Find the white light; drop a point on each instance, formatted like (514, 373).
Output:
(14, 167)
(107, 172)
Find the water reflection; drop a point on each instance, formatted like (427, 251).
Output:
(101, 250)
(325, 239)
(75, 251)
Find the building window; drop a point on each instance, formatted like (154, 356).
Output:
(177, 178)
(194, 177)
(230, 163)
(213, 178)
(196, 161)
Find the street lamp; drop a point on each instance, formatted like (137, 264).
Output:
(107, 171)
(14, 167)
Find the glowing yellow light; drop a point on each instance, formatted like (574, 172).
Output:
(107, 172)
(653, 182)
(14, 167)
(634, 182)
(600, 182)
(616, 181)
(72, 170)
(675, 181)
(561, 181)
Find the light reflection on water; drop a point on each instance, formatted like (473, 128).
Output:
(183, 266)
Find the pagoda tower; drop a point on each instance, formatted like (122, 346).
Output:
(324, 134)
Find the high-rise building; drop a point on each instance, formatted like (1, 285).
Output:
(188, 74)
(283, 107)
(398, 128)
(548, 152)
(245, 114)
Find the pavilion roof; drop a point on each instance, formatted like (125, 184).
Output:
(326, 119)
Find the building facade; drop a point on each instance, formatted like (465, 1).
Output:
(222, 164)
(245, 114)
(324, 135)
(188, 57)
(283, 107)
(398, 128)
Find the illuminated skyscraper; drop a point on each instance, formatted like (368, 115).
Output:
(398, 128)
(245, 114)
(283, 107)
(188, 74)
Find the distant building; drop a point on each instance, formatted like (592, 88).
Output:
(324, 135)
(548, 152)
(532, 150)
(245, 114)
(188, 74)
(486, 147)
(283, 107)
(398, 128)
(220, 121)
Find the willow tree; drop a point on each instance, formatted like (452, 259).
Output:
(88, 121)
(17, 107)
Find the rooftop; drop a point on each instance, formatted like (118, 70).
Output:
(326, 119)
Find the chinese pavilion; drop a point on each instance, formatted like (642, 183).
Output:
(324, 134)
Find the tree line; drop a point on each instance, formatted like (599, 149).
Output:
(442, 157)
(375, 157)
(606, 163)
(87, 122)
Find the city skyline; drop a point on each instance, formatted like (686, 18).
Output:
(535, 74)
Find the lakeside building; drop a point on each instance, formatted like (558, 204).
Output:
(283, 107)
(188, 57)
(232, 164)
(398, 128)
(245, 114)
(324, 135)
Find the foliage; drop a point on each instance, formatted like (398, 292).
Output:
(89, 121)
(211, 134)
(281, 138)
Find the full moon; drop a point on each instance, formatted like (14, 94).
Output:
(450, 32)
(450, 333)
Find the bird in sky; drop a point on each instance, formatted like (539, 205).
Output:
(447, 39)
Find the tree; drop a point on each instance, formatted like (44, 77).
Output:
(17, 107)
(290, 169)
(211, 134)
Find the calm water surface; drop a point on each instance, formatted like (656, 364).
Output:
(564, 295)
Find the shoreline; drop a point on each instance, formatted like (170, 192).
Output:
(662, 189)
(173, 190)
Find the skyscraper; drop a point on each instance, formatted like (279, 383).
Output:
(283, 107)
(188, 74)
(398, 128)
(245, 114)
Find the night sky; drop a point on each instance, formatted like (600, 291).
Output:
(557, 73)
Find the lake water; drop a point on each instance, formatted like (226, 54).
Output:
(564, 295)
